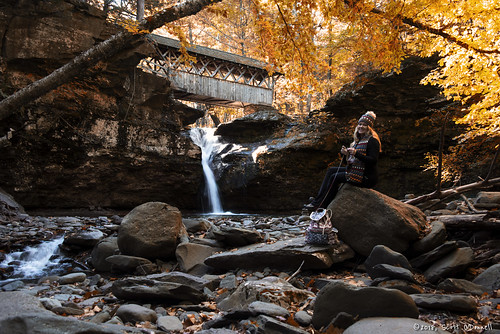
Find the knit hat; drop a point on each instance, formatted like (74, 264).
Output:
(369, 117)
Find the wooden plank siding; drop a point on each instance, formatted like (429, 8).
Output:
(220, 89)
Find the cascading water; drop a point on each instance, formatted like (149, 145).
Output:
(207, 141)
(34, 261)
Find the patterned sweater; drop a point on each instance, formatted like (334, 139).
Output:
(363, 171)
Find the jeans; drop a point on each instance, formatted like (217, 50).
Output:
(330, 186)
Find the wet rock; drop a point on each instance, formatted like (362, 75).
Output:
(270, 289)
(383, 325)
(450, 265)
(453, 303)
(389, 222)
(151, 230)
(285, 254)
(363, 302)
(154, 290)
(196, 225)
(104, 249)
(457, 285)
(490, 278)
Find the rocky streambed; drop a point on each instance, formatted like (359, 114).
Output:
(247, 274)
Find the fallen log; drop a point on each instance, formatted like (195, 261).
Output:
(468, 222)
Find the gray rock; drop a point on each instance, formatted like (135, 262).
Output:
(195, 282)
(86, 238)
(126, 263)
(151, 230)
(154, 290)
(270, 289)
(453, 303)
(169, 323)
(490, 278)
(50, 303)
(269, 309)
(450, 265)
(72, 278)
(382, 325)
(386, 270)
(487, 199)
(104, 248)
(363, 302)
(428, 258)
(435, 238)
(402, 285)
(135, 313)
(189, 255)
(269, 325)
(235, 236)
(21, 311)
(101, 317)
(196, 225)
(12, 286)
(390, 222)
(381, 254)
(303, 318)
(457, 285)
(285, 254)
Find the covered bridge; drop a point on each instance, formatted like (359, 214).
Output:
(216, 77)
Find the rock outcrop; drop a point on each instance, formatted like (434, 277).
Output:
(111, 138)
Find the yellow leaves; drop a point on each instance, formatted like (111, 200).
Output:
(132, 26)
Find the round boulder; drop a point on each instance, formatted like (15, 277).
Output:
(366, 218)
(151, 230)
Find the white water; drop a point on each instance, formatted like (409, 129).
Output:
(34, 260)
(207, 141)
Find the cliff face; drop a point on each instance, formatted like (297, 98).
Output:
(111, 138)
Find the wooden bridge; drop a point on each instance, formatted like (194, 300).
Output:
(217, 77)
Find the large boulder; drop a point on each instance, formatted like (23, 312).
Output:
(366, 218)
(362, 302)
(382, 325)
(151, 230)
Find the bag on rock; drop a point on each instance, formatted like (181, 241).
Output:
(320, 231)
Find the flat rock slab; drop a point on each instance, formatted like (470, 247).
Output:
(285, 255)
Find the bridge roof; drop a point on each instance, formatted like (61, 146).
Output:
(202, 50)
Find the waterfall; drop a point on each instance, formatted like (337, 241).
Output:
(207, 141)
(34, 261)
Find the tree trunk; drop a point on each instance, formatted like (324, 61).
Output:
(101, 51)
(140, 10)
